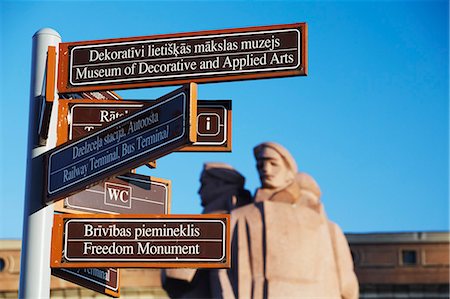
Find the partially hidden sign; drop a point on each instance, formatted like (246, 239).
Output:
(172, 59)
(130, 193)
(103, 280)
(213, 127)
(141, 241)
(165, 126)
(93, 95)
(78, 118)
(90, 96)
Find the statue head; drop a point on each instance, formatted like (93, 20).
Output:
(309, 191)
(222, 188)
(276, 167)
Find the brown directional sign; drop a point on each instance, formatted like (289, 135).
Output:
(141, 241)
(205, 56)
(81, 117)
(163, 127)
(89, 95)
(102, 280)
(78, 118)
(125, 194)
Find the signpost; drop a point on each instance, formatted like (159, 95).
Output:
(172, 59)
(81, 117)
(141, 241)
(98, 143)
(153, 132)
(125, 194)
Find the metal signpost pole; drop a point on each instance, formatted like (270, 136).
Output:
(38, 218)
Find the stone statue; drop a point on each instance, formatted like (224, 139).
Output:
(283, 246)
(222, 189)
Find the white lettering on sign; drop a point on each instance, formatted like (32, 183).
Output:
(98, 273)
(85, 73)
(181, 231)
(109, 231)
(147, 248)
(107, 55)
(74, 172)
(86, 148)
(142, 123)
(117, 195)
(153, 138)
(105, 159)
(185, 57)
(112, 249)
(250, 60)
(150, 249)
(107, 116)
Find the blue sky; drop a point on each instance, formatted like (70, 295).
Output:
(369, 122)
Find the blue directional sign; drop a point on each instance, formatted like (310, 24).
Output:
(155, 131)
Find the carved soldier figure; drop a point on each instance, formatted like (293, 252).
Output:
(283, 246)
(222, 189)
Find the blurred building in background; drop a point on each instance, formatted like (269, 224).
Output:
(388, 265)
(401, 265)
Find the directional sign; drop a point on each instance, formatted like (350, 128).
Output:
(102, 280)
(78, 126)
(205, 56)
(153, 132)
(78, 118)
(81, 117)
(139, 241)
(125, 194)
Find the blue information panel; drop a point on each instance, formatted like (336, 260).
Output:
(128, 143)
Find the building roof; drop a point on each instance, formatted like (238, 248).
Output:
(400, 237)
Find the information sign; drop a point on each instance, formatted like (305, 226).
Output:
(81, 117)
(165, 126)
(136, 241)
(205, 56)
(130, 193)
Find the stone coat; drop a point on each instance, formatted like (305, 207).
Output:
(285, 250)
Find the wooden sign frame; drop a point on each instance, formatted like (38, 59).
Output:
(122, 63)
(65, 115)
(60, 251)
(64, 206)
(226, 144)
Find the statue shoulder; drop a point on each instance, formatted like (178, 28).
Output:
(243, 210)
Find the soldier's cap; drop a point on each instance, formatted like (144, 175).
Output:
(223, 172)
